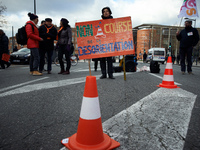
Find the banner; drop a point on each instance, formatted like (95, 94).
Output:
(188, 9)
(105, 38)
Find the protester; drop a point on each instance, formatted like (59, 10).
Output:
(64, 45)
(188, 38)
(48, 33)
(106, 14)
(33, 43)
(95, 63)
(15, 49)
(3, 48)
(178, 58)
(144, 57)
(42, 23)
(173, 58)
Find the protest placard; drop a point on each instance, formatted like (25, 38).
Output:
(105, 38)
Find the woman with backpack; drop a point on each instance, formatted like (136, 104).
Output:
(64, 38)
(33, 43)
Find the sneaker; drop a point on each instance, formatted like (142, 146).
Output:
(49, 72)
(183, 72)
(37, 73)
(191, 73)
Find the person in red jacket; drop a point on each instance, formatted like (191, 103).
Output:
(33, 43)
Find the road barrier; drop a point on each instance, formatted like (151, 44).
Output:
(168, 78)
(90, 134)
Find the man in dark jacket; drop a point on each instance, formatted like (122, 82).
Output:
(106, 14)
(3, 48)
(48, 32)
(188, 38)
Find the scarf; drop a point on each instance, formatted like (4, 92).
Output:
(59, 32)
(48, 30)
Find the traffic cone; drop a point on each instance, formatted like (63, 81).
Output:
(90, 134)
(168, 78)
(100, 34)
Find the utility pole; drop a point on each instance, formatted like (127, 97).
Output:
(13, 41)
(35, 7)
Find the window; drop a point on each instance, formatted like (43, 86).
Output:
(158, 52)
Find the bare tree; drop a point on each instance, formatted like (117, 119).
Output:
(2, 18)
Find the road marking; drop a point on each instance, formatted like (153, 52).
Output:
(80, 70)
(47, 85)
(21, 84)
(162, 78)
(158, 121)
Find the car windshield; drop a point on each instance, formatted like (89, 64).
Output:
(158, 52)
(24, 50)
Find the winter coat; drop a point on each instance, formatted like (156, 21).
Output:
(188, 37)
(33, 36)
(4, 44)
(65, 36)
(48, 34)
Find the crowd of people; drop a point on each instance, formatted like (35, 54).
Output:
(41, 42)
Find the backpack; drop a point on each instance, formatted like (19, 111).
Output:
(21, 35)
(154, 67)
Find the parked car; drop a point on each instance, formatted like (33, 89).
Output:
(20, 56)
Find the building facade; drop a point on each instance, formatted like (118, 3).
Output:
(155, 35)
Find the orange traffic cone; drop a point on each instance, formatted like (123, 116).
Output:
(168, 78)
(90, 134)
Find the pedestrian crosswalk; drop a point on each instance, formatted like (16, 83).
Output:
(159, 121)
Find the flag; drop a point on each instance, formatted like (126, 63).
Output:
(188, 9)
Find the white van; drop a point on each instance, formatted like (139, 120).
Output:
(156, 54)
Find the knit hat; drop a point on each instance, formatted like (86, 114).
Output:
(32, 16)
(108, 10)
(65, 20)
(188, 20)
(48, 19)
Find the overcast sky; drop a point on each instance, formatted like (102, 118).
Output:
(141, 11)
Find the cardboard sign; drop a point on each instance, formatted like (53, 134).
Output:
(105, 38)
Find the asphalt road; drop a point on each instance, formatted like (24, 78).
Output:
(37, 112)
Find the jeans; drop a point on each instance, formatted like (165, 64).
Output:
(183, 52)
(34, 59)
(63, 50)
